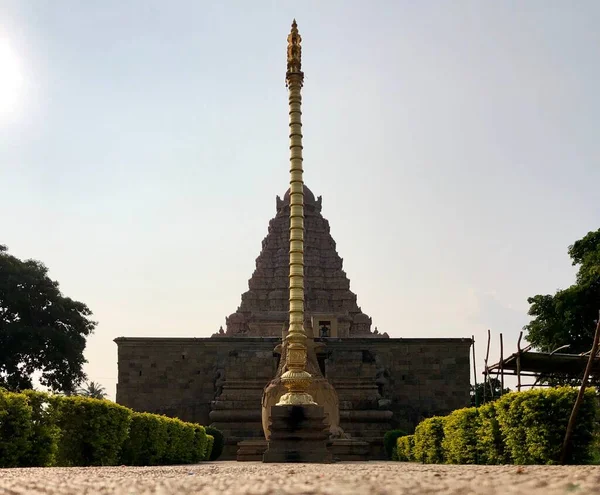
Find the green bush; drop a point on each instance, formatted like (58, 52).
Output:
(16, 429)
(45, 432)
(509, 414)
(429, 436)
(460, 436)
(219, 442)
(180, 442)
(209, 446)
(405, 448)
(155, 440)
(92, 431)
(200, 443)
(146, 444)
(490, 446)
(534, 423)
(389, 441)
(395, 453)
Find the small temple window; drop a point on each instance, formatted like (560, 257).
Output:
(324, 328)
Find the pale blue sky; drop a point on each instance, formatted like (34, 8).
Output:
(455, 145)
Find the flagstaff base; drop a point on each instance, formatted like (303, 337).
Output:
(298, 434)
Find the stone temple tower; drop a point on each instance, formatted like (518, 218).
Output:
(331, 308)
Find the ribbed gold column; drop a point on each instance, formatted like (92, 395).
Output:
(296, 379)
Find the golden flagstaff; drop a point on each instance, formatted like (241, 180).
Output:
(296, 379)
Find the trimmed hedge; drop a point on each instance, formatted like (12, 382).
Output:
(180, 444)
(92, 431)
(490, 443)
(16, 428)
(38, 429)
(158, 440)
(200, 443)
(520, 428)
(219, 442)
(429, 436)
(460, 437)
(405, 448)
(209, 447)
(45, 432)
(534, 423)
(389, 442)
(146, 444)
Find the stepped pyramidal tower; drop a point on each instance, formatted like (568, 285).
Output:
(331, 308)
(367, 382)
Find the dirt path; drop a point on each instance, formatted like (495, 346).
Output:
(223, 478)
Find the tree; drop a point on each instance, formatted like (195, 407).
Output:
(93, 390)
(40, 329)
(569, 317)
(490, 395)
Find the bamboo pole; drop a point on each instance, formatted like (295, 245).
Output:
(519, 361)
(566, 447)
(501, 365)
(474, 371)
(485, 364)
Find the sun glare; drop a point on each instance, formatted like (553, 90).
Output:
(11, 80)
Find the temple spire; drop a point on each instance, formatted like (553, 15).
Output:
(296, 379)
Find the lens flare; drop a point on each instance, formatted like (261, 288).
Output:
(11, 80)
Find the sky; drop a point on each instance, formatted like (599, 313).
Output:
(455, 145)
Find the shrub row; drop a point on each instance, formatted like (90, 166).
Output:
(519, 428)
(38, 429)
(157, 440)
(389, 442)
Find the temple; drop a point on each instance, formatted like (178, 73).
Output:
(374, 382)
(331, 308)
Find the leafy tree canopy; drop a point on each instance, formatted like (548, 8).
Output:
(570, 315)
(40, 329)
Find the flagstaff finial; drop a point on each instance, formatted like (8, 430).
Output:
(294, 55)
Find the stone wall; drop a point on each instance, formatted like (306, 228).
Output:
(419, 377)
(414, 378)
(181, 376)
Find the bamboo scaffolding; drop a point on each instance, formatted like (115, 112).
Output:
(485, 364)
(566, 447)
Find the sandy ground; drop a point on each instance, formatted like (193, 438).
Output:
(255, 478)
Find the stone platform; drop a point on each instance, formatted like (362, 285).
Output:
(342, 450)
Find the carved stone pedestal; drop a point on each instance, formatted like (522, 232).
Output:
(298, 434)
(342, 449)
